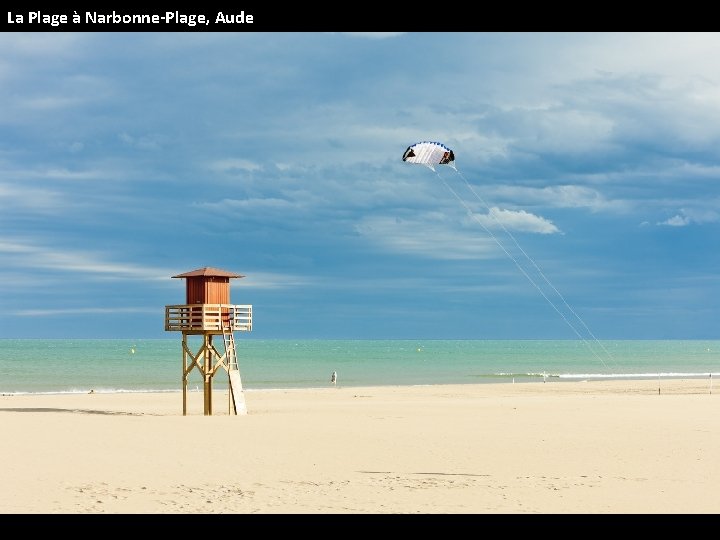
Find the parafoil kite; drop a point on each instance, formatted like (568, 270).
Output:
(429, 153)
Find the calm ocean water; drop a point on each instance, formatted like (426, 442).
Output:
(124, 365)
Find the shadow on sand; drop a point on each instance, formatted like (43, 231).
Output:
(75, 411)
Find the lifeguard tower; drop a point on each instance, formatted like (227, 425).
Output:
(208, 313)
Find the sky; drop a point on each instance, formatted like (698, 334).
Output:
(584, 203)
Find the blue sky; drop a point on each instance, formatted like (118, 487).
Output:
(127, 158)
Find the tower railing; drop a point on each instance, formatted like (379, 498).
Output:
(208, 317)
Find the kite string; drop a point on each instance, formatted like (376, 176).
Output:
(519, 266)
(540, 272)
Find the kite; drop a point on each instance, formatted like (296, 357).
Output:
(429, 153)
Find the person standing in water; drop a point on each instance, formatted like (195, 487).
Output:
(333, 378)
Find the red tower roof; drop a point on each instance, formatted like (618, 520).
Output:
(209, 271)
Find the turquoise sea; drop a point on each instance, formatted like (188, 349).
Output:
(149, 365)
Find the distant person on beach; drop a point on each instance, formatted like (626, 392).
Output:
(333, 378)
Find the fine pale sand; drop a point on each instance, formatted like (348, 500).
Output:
(555, 447)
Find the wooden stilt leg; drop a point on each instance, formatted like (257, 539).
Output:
(185, 375)
(207, 387)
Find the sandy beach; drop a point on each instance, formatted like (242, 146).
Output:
(556, 447)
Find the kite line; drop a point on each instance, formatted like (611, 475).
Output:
(430, 154)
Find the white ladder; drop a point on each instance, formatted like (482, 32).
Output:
(236, 389)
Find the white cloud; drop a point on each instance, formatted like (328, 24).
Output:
(563, 196)
(27, 255)
(142, 142)
(681, 54)
(690, 216)
(515, 220)
(26, 197)
(271, 280)
(429, 235)
(234, 165)
(698, 215)
(42, 44)
(676, 221)
(47, 103)
(22, 176)
(250, 205)
(373, 35)
(49, 312)
(560, 129)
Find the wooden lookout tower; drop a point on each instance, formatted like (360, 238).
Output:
(207, 313)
